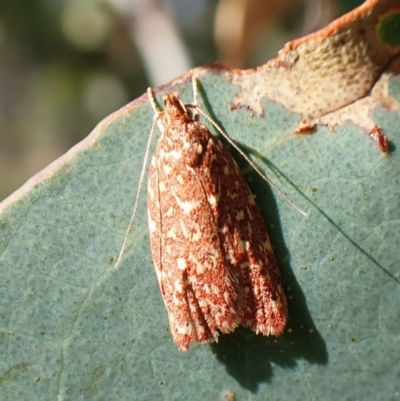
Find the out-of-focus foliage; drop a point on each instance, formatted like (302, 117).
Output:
(65, 65)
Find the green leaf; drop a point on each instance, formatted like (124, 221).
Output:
(75, 328)
(72, 327)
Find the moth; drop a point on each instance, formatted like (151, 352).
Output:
(214, 262)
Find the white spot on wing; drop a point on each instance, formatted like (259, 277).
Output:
(184, 229)
(224, 229)
(152, 226)
(186, 206)
(199, 267)
(167, 169)
(181, 263)
(175, 154)
(178, 286)
(246, 245)
(183, 330)
(150, 192)
(171, 234)
(213, 200)
(267, 246)
(233, 195)
(240, 215)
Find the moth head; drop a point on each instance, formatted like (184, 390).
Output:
(175, 109)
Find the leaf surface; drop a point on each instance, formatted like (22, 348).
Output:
(74, 328)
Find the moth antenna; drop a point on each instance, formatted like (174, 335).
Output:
(156, 110)
(240, 151)
(152, 101)
(141, 179)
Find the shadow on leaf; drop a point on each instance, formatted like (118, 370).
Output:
(248, 357)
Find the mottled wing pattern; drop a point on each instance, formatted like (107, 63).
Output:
(211, 251)
(246, 245)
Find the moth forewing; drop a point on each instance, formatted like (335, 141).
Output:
(214, 261)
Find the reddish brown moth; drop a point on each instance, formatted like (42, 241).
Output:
(213, 258)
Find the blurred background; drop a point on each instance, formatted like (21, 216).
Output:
(67, 64)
